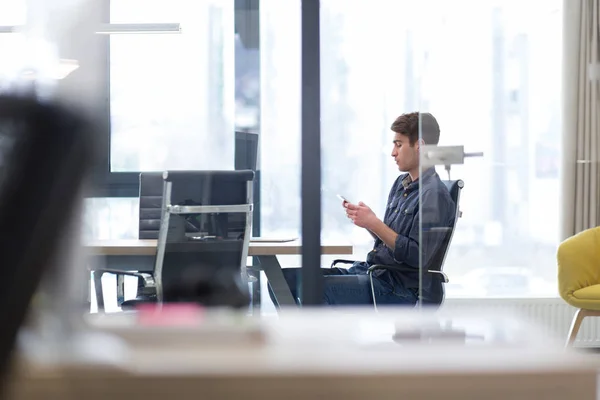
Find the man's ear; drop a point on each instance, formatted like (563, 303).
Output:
(419, 143)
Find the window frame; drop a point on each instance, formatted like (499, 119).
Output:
(107, 183)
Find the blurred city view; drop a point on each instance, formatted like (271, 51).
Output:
(491, 76)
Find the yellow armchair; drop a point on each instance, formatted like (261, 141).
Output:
(579, 276)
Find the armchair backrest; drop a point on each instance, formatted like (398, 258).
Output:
(204, 237)
(437, 291)
(578, 258)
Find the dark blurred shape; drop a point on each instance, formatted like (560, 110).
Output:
(46, 152)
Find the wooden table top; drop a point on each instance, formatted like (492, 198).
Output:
(140, 247)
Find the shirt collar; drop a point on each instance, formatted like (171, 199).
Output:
(408, 183)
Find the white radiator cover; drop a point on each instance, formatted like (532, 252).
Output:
(551, 315)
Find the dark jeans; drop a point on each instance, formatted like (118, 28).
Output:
(351, 287)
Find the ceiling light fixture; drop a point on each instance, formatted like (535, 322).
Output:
(118, 29)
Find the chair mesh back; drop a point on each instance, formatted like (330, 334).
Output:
(436, 290)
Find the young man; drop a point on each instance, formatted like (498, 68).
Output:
(397, 237)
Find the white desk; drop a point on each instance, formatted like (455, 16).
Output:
(138, 255)
(148, 248)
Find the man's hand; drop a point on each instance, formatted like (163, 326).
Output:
(361, 215)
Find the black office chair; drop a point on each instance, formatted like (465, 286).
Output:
(206, 218)
(436, 291)
(150, 209)
(151, 188)
(150, 206)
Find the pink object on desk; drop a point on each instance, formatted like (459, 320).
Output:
(181, 314)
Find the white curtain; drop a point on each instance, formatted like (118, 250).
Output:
(581, 117)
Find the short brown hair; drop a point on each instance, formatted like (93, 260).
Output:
(408, 125)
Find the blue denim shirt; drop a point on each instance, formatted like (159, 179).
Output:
(402, 215)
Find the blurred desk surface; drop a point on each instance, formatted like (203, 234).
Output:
(552, 382)
(344, 355)
(137, 247)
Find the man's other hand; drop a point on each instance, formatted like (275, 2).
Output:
(361, 215)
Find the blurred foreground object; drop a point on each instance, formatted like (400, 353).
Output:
(320, 353)
(46, 152)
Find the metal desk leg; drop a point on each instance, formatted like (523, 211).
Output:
(120, 289)
(256, 273)
(255, 293)
(99, 291)
(272, 269)
(87, 294)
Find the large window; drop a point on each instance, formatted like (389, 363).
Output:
(490, 75)
(175, 99)
(12, 12)
(503, 99)
(172, 95)
(492, 78)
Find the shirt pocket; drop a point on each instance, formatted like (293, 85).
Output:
(394, 203)
(405, 218)
(408, 210)
(402, 218)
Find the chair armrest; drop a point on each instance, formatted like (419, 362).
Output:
(399, 268)
(340, 261)
(443, 276)
(406, 268)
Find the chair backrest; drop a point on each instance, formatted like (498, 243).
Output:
(150, 205)
(578, 257)
(151, 197)
(436, 291)
(246, 157)
(204, 237)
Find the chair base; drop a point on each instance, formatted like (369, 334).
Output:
(576, 323)
(132, 304)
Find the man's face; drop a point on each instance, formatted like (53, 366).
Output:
(405, 155)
